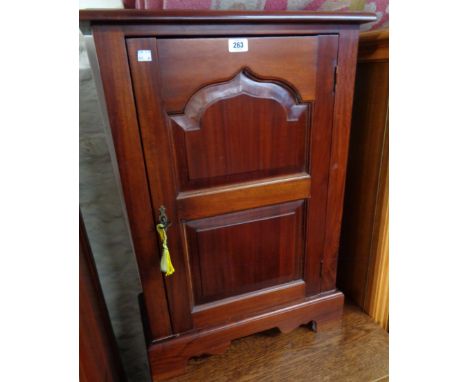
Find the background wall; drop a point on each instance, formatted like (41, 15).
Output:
(100, 4)
(107, 230)
(99, 194)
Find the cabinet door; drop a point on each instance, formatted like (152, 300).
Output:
(237, 147)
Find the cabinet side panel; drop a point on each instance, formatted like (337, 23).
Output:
(116, 81)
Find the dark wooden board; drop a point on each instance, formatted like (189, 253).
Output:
(190, 16)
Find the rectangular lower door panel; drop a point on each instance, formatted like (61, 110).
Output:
(245, 251)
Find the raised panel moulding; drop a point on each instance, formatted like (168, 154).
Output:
(242, 83)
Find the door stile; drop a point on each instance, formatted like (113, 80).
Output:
(161, 178)
(320, 137)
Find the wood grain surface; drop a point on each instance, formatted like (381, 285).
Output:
(355, 350)
(247, 155)
(344, 91)
(180, 81)
(194, 16)
(168, 358)
(259, 158)
(363, 264)
(119, 98)
(271, 236)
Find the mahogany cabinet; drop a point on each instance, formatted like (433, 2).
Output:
(236, 124)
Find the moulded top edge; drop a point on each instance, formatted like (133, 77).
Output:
(185, 16)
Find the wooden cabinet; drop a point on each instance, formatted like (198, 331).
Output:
(237, 124)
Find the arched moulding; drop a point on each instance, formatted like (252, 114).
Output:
(242, 83)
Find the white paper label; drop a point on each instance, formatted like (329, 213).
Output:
(238, 45)
(144, 55)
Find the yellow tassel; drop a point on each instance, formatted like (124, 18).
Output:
(166, 264)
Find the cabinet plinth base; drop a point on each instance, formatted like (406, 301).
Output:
(169, 358)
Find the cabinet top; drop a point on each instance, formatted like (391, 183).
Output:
(133, 15)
